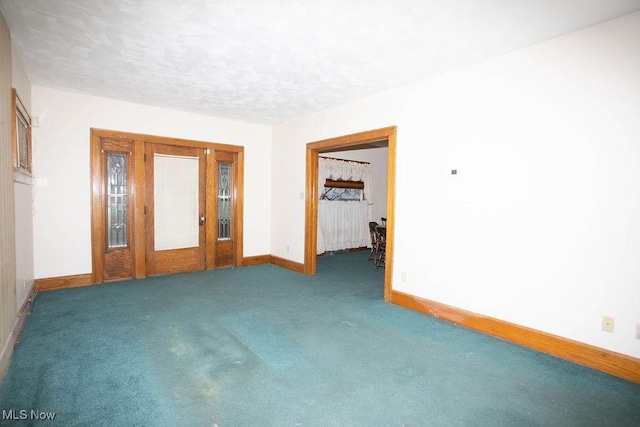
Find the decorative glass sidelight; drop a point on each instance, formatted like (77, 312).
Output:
(117, 200)
(224, 201)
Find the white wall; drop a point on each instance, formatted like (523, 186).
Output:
(23, 193)
(19, 78)
(540, 225)
(62, 223)
(377, 158)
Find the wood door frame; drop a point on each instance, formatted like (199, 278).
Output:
(138, 194)
(352, 141)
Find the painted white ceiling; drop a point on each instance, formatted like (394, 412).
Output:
(273, 60)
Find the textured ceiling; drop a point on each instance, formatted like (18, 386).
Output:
(271, 61)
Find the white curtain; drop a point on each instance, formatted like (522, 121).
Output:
(344, 225)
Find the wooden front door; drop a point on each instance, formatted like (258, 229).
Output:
(175, 208)
(163, 205)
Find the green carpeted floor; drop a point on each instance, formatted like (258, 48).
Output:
(263, 346)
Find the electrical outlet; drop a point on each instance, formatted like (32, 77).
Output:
(607, 323)
(638, 331)
(403, 277)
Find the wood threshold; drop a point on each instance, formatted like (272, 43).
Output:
(607, 361)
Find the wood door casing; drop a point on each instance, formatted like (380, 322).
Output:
(351, 142)
(173, 260)
(139, 199)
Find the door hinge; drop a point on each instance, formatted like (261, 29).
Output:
(145, 210)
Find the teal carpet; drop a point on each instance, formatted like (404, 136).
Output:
(263, 346)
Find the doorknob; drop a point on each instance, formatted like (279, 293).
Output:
(201, 219)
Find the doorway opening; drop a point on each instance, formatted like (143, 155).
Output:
(355, 141)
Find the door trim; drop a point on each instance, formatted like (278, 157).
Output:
(352, 142)
(138, 194)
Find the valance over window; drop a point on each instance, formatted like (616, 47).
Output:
(345, 170)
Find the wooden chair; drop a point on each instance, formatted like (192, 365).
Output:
(381, 238)
(374, 241)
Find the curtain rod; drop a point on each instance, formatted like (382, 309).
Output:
(344, 160)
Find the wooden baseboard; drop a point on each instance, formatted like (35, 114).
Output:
(286, 263)
(78, 280)
(16, 332)
(256, 260)
(275, 260)
(62, 282)
(607, 361)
